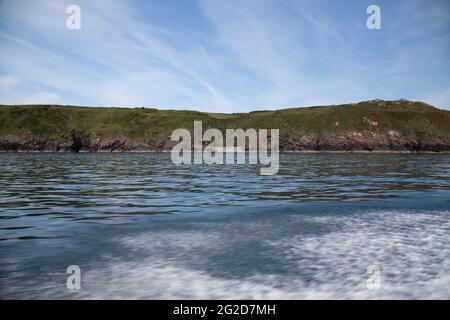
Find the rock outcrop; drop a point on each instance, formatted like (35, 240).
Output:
(80, 142)
(357, 142)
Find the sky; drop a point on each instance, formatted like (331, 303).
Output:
(223, 55)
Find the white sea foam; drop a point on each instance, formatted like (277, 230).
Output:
(412, 250)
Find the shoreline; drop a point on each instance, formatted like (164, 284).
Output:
(281, 152)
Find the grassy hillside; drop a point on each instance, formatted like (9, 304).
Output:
(411, 119)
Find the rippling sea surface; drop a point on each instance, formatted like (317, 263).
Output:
(140, 227)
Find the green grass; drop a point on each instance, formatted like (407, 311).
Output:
(144, 124)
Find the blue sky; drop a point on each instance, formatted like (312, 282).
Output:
(223, 56)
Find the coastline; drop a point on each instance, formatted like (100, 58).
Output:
(374, 126)
(281, 152)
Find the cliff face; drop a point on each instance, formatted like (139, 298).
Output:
(81, 142)
(357, 142)
(399, 126)
(77, 141)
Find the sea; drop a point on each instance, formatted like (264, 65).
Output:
(137, 226)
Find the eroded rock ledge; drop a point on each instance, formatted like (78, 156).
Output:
(82, 142)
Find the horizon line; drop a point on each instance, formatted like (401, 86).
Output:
(195, 110)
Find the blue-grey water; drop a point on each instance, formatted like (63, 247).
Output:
(140, 227)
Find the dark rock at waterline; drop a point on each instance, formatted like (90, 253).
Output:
(82, 142)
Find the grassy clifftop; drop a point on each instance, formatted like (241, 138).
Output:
(378, 124)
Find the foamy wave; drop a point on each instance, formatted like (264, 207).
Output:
(412, 250)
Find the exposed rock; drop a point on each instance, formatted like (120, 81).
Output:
(370, 122)
(352, 142)
(355, 142)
